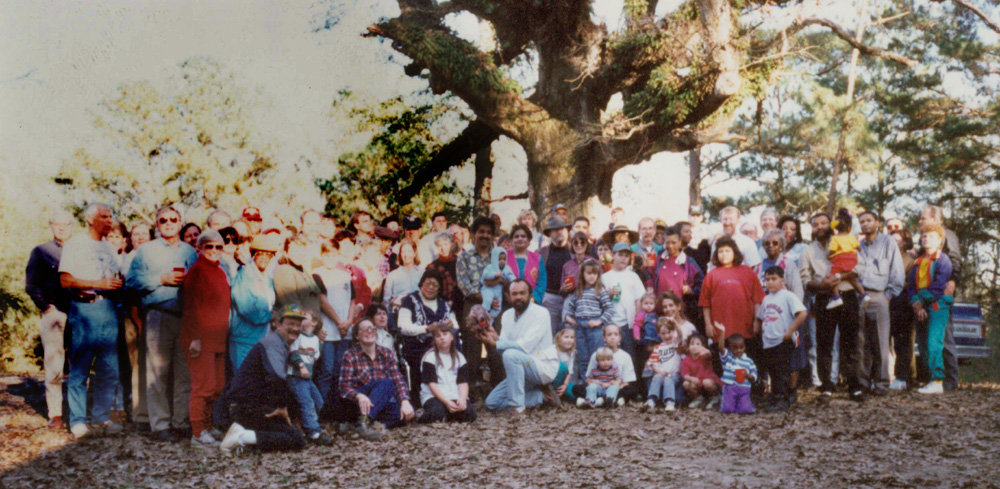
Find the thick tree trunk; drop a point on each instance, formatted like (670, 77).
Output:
(483, 192)
(694, 178)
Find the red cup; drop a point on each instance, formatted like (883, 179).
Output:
(179, 269)
(741, 375)
(570, 281)
(650, 260)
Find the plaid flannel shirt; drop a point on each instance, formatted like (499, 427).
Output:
(357, 369)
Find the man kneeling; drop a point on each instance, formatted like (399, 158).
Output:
(261, 401)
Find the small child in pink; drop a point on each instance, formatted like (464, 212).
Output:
(700, 382)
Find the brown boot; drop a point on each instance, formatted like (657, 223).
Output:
(56, 423)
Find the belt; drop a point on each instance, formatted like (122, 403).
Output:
(87, 297)
(873, 290)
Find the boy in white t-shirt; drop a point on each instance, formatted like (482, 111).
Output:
(626, 289)
(779, 317)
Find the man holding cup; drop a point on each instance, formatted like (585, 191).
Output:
(156, 275)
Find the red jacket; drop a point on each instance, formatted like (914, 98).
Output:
(206, 302)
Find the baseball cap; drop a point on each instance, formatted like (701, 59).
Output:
(619, 246)
(411, 222)
(292, 311)
(252, 214)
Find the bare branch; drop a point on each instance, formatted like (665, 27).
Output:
(864, 49)
(979, 13)
(476, 136)
(522, 195)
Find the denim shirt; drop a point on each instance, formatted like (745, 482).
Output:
(883, 265)
(151, 261)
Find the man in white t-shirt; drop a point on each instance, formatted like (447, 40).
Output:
(626, 289)
(524, 331)
(89, 269)
(730, 217)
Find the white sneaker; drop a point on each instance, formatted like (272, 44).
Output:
(897, 385)
(206, 440)
(649, 405)
(712, 403)
(835, 303)
(580, 402)
(932, 387)
(669, 406)
(111, 428)
(231, 443)
(620, 402)
(599, 402)
(697, 403)
(80, 431)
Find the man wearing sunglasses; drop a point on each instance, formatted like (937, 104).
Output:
(156, 275)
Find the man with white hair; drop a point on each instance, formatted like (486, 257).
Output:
(42, 285)
(88, 267)
(730, 217)
(156, 275)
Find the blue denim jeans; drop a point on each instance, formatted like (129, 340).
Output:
(385, 406)
(588, 340)
(327, 371)
(95, 335)
(664, 387)
(594, 390)
(310, 402)
(522, 386)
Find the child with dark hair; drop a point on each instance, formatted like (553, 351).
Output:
(779, 318)
(843, 254)
(738, 372)
(700, 381)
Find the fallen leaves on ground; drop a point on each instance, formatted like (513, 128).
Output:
(903, 440)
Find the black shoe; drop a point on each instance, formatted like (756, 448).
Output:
(320, 438)
(777, 407)
(166, 436)
(824, 398)
(182, 433)
(859, 397)
(141, 427)
(879, 392)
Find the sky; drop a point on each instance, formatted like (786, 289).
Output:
(60, 58)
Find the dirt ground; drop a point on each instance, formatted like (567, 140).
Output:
(900, 441)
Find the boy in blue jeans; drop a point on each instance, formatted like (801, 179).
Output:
(603, 380)
(302, 357)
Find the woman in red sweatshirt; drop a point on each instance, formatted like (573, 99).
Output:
(204, 328)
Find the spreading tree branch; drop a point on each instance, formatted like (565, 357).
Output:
(846, 36)
(975, 10)
(475, 137)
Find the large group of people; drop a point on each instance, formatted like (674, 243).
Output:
(238, 335)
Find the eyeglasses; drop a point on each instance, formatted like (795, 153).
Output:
(175, 220)
(366, 329)
(231, 239)
(772, 243)
(212, 247)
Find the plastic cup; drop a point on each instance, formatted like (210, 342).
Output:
(741, 375)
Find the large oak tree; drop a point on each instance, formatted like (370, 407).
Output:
(681, 77)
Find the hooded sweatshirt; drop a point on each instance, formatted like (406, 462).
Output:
(491, 292)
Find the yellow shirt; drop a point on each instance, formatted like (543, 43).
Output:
(843, 244)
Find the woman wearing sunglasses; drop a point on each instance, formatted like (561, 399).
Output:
(204, 332)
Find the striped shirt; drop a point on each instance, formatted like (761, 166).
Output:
(729, 365)
(589, 306)
(608, 375)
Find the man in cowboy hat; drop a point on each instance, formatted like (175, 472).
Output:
(555, 255)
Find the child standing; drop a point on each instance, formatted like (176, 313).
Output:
(613, 340)
(843, 254)
(444, 382)
(302, 357)
(663, 367)
(495, 275)
(603, 380)
(700, 381)
(738, 371)
(779, 317)
(588, 309)
(926, 289)
(556, 365)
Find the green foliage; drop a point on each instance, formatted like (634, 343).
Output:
(194, 144)
(402, 139)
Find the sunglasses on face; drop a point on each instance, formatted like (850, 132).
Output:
(231, 239)
(212, 247)
(175, 220)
